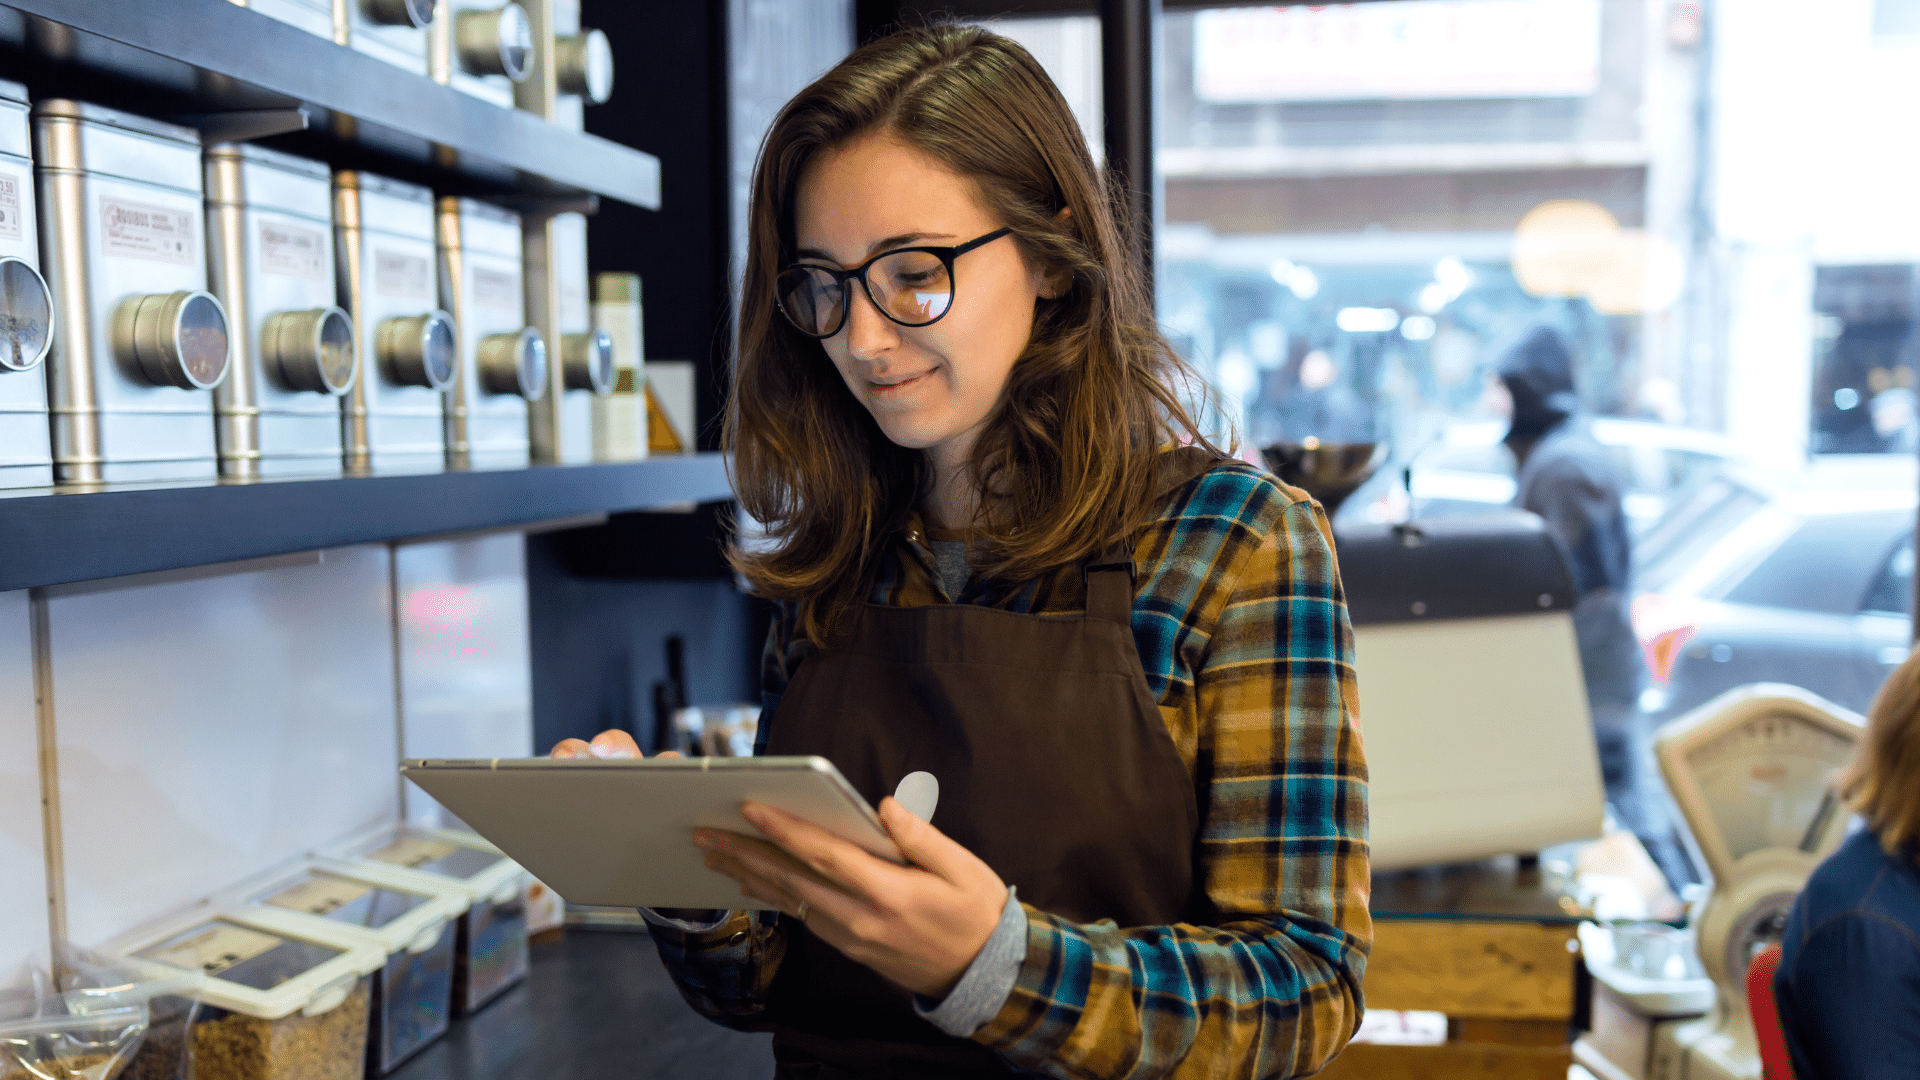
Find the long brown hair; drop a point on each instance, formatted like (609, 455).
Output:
(1883, 783)
(1066, 460)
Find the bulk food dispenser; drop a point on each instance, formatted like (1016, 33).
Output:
(503, 361)
(483, 48)
(388, 280)
(141, 342)
(396, 31)
(26, 306)
(620, 417)
(281, 1000)
(270, 227)
(412, 996)
(490, 946)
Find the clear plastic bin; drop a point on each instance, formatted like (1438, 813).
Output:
(490, 947)
(279, 1001)
(413, 925)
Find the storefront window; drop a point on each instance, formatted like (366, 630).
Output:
(1711, 202)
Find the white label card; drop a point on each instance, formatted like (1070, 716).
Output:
(213, 950)
(413, 851)
(146, 231)
(319, 895)
(402, 276)
(292, 251)
(10, 224)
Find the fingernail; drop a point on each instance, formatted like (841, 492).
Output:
(754, 814)
(703, 841)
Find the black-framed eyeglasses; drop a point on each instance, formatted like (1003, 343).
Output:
(914, 287)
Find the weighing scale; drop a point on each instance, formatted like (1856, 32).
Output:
(1753, 772)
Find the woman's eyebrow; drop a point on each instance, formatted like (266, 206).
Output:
(881, 245)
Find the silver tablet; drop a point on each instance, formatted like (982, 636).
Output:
(618, 832)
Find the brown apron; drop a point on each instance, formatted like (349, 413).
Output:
(1054, 767)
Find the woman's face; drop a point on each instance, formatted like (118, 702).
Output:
(930, 387)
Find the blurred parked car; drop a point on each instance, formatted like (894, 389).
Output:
(1468, 470)
(1808, 582)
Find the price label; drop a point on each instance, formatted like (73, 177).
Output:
(292, 251)
(402, 276)
(413, 851)
(493, 289)
(11, 227)
(145, 231)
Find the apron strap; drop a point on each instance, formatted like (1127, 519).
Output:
(1110, 577)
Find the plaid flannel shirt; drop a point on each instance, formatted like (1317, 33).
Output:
(1242, 629)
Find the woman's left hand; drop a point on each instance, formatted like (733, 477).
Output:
(919, 925)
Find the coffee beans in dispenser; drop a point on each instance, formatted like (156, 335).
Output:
(26, 307)
(387, 272)
(503, 361)
(142, 343)
(270, 224)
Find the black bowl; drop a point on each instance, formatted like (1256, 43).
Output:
(1327, 471)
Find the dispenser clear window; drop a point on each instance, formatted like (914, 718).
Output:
(203, 339)
(26, 316)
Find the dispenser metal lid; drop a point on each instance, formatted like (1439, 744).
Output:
(86, 113)
(26, 316)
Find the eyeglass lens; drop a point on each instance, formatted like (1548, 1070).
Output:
(912, 288)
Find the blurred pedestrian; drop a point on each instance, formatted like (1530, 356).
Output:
(1566, 477)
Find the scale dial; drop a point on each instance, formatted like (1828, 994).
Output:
(1754, 770)
(1769, 782)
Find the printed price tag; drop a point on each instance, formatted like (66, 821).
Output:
(413, 851)
(292, 251)
(402, 276)
(10, 224)
(144, 231)
(494, 289)
(319, 895)
(214, 949)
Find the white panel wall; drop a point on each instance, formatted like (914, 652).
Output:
(466, 682)
(210, 728)
(23, 883)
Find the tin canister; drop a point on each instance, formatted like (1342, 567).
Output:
(313, 16)
(503, 361)
(270, 226)
(397, 31)
(482, 47)
(26, 307)
(393, 417)
(142, 343)
(586, 351)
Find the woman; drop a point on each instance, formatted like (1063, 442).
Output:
(1128, 668)
(1848, 985)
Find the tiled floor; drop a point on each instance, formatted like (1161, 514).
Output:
(596, 1006)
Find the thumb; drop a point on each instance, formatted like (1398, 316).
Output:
(922, 844)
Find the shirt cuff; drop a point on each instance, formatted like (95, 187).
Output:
(984, 986)
(689, 926)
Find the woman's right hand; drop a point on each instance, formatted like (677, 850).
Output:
(612, 743)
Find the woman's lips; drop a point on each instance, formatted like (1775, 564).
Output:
(892, 389)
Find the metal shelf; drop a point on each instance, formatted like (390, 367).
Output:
(187, 58)
(53, 537)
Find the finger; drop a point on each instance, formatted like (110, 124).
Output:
(770, 859)
(840, 862)
(571, 748)
(614, 743)
(923, 845)
(829, 910)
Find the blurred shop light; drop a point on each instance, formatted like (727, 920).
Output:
(1433, 297)
(1417, 328)
(1363, 320)
(1304, 283)
(1846, 398)
(1452, 275)
(1563, 246)
(1645, 274)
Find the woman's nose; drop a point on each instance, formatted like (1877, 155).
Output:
(869, 333)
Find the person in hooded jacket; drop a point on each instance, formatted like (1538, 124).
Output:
(1566, 477)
